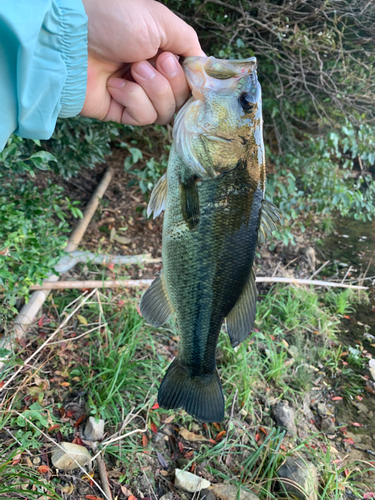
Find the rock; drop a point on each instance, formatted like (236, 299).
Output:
(63, 459)
(167, 496)
(229, 492)
(327, 425)
(94, 430)
(284, 417)
(322, 409)
(207, 495)
(190, 482)
(304, 474)
(372, 367)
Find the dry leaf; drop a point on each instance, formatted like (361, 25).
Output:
(190, 436)
(169, 419)
(42, 469)
(126, 492)
(68, 489)
(81, 319)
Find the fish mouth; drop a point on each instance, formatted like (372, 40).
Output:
(220, 69)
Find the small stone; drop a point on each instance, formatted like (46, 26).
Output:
(94, 430)
(327, 424)
(190, 482)
(321, 409)
(229, 492)
(36, 461)
(207, 495)
(301, 472)
(284, 417)
(63, 459)
(167, 496)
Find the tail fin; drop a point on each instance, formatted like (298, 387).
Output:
(200, 396)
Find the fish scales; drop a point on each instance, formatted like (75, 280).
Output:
(215, 212)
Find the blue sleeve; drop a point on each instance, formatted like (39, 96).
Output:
(43, 65)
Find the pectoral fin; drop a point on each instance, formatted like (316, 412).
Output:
(158, 197)
(155, 305)
(189, 199)
(241, 319)
(268, 219)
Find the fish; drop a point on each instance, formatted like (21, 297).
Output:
(213, 195)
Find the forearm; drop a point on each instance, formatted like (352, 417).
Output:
(43, 65)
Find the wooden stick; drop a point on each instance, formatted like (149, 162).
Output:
(50, 285)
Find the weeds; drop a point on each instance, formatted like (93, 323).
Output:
(109, 362)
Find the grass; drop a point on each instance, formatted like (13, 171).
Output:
(109, 363)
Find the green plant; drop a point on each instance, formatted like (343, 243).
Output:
(31, 241)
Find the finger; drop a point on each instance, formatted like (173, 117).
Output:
(176, 36)
(168, 65)
(157, 88)
(130, 104)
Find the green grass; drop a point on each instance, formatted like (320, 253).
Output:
(117, 367)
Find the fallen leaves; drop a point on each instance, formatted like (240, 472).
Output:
(190, 436)
(348, 440)
(42, 469)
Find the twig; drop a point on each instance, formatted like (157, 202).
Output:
(228, 426)
(47, 341)
(102, 470)
(61, 448)
(19, 442)
(346, 274)
(320, 268)
(145, 283)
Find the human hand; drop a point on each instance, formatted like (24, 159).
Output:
(133, 75)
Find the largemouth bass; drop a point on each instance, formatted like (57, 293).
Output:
(215, 212)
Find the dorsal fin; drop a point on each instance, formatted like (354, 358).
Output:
(268, 219)
(158, 198)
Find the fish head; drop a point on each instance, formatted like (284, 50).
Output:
(221, 124)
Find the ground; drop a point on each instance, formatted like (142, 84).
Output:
(98, 357)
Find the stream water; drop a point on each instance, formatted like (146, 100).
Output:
(351, 252)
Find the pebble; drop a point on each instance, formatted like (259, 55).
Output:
(327, 424)
(229, 492)
(207, 495)
(190, 482)
(284, 417)
(62, 459)
(301, 472)
(321, 409)
(94, 430)
(167, 496)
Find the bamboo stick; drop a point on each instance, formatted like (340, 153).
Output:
(61, 285)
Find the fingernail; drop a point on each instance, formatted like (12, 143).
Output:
(170, 66)
(115, 83)
(145, 70)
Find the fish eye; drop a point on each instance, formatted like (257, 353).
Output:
(247, 102)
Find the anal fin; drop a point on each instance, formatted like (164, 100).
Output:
(240, 320)
(155, 305)
(189, 199)
(268, 219)
(158, 197)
